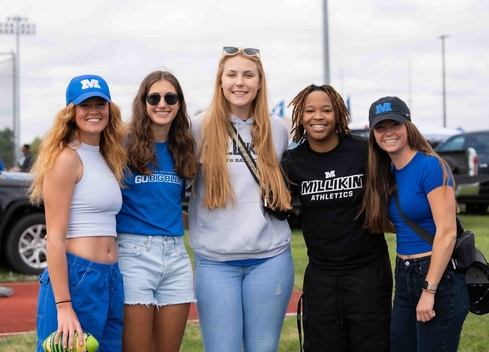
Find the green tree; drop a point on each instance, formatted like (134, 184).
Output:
(34, 147)
(7, 147)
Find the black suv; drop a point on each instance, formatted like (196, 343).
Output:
(479, 140)
(22, 226)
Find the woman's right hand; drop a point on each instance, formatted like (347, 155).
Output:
(68, 324)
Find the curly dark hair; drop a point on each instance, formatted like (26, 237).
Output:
(341, 112)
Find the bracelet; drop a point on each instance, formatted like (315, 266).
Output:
(429, 291)
(68, 300)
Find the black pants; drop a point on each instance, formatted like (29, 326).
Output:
(348, 313)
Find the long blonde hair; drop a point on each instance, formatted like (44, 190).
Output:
(65, 131)
(215, 143)
(381, 183)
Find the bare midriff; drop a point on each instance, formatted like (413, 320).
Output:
(413, 256)
(101, 249)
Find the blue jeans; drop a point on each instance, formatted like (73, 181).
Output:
(442, 333)
(243, 306)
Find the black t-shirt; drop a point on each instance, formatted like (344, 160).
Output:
(330, 187)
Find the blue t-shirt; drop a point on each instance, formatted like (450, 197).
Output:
(152, 204)
(414, 181)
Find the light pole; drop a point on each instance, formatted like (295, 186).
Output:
(13, 97)
(17, 25)
(325, 42)
(443, 79)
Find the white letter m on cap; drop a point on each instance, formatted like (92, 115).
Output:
(93, 83)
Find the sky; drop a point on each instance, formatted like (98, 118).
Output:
(376, 48)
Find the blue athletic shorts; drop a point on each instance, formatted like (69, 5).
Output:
(97, 296)
(156, 270)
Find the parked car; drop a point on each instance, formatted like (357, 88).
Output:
(22, 226)
(360, 129)
(476, 200)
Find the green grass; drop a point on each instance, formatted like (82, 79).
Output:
(19, 343)
(10, 276)
(474, 334)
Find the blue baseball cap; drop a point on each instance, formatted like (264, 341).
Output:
(388, 108)
(86, 86)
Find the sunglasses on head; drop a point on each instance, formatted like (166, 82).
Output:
(155, 98)
(233, 50)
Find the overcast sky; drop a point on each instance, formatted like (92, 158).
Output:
(377, 48)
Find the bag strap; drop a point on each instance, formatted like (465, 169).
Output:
(248, 159)
(299, 319)
(418, 230)
(425, 235)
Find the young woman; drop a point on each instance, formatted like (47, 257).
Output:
(244, 269)
(79, 171)
(158, 280)
(431, 299)
(348, 281)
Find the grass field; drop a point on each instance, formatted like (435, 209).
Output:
(474, 335)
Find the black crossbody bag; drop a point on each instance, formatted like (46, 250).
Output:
(464, 252)
(250, 162)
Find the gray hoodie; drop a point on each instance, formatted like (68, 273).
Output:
(242, 230)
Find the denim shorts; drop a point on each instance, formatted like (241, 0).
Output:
(156, 270)
(97, 298)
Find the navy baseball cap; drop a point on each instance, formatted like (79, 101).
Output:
(86, 86)
(388, 108)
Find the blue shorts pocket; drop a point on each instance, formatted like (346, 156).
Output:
(76, 276)
(44, 278)
(44, 292)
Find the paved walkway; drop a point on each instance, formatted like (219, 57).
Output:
(18, 312)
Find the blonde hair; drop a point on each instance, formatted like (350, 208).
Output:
(215, 143)
(65, 131)
(381, 183)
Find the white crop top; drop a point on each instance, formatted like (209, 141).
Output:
(96, 198)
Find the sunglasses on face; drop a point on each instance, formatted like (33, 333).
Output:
(233, 50)
(155, 98)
